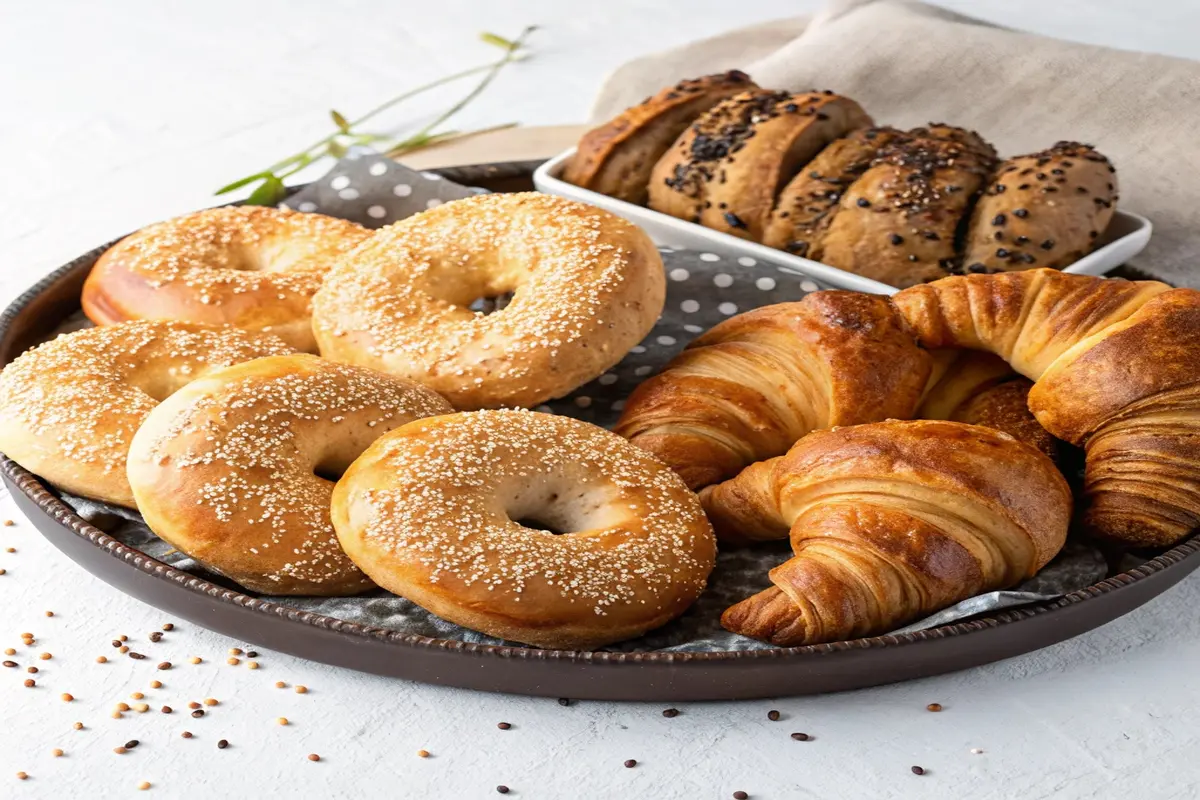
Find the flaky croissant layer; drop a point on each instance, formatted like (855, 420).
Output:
(889, 522)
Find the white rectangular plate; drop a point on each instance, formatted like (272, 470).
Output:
(1125, 237)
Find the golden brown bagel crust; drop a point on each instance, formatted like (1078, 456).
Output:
(587, 286)
(226, 469)
(897, 223)
(750, 387)
(432, 510)
(251, 267)
(69, 407)
(727, 168)
(616, 158)
(1116, 367)
(890, 522)
(807, 204)
(1046, 209)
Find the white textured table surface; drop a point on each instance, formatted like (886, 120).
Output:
(114, 118)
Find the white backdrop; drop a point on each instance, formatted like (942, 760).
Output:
(119, 114)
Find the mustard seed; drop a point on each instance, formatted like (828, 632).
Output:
(30, 683)
(56, 752)
(233, 662)
(252, 665)
(313, 757)
(934, 707)
(301, 690)
(282, 720)
(155, 684)
(210, 701)
(78, 726)
(144, 785)
(194, 660)
(22, 776)
(122, 706)
(136, 696)
(67, 697)
(422, 754)
(101, 660)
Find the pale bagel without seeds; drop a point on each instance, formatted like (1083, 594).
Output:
(69, 407)
(433, 512)
(248, 266)
(232, 469)
(586, 287)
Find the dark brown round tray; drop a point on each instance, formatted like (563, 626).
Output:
(596, 675)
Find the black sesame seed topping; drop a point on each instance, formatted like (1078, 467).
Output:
(999, 219)
(1048, 244)
(1020, 212)
(863, 202)
(896, 239)
(734, 221)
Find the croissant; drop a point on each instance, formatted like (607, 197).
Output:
(750, 387)
(889, 522)
(981, 389)
(1116, 366)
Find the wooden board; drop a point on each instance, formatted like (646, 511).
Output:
(510, 144)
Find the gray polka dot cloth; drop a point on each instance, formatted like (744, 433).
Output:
(702, 289)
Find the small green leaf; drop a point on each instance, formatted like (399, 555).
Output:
(268, 193)
(342, 123)
(246, 181)
(498, 40)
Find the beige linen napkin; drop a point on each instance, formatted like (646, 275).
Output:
(909, 63)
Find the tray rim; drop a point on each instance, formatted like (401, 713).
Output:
(58, 512)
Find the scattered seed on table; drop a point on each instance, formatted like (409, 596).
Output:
(918, 770)
(67, 697)
(8, 651)
(45, 656)
(122, 706)
(252, 665)
(164, 665)
(56, 752)
(235, 651)
(132, 743)
(233, 662)
(773, 715)
(503, 726)
(167, 709)
(801, 737)
(116, 715)
(155, 684)
(30, 683)
(186, 734)
(123, 638)
(8, 523)
(124, 649)
(32, 670)
(301, 690)
(934, 707)
(194, 660)
(101, 660)
(198, 713)
(116, 642)
(27, 635)
(193, 704)
(502, 789)
(740, 795)
(313, 757)
(141, 708)
(976, 750)
(251, 654)
(144, 785)
(210, 701)
(563, 701)
(22, 776)
(156, 637)
(10, 549)
(222, 744)
(422, 754)
(136, 696)
(119, 751)
(78, 726)
(280, 685)
(3, 571)
(631, 763)
(49, 613)
(671, 712)
(136, 656)
(169, 626)
(10, 664)
(282, 720)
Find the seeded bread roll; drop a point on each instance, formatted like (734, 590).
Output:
(971, 141)
(727, 168)
(1042, 210)
(616, 158)
(897, 223)
(807, 204)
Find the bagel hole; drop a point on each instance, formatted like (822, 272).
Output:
(490, 305)
(329, 472)
(538, 525)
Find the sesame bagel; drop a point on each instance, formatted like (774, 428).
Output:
(248, 266)
(232, 468)
(586, 287)
(451, 513)
(69, 408)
